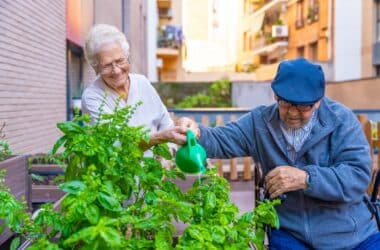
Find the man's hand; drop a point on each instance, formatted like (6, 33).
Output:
(190, 124)
(283, 179)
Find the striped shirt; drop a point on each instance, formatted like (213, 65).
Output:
(296, 137)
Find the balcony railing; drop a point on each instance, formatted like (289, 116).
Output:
(268, 6)
(170, 36)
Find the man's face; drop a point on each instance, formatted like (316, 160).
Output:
(295, 116)
(113, 65)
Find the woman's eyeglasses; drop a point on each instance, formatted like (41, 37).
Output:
(299, 107)
(107, 69)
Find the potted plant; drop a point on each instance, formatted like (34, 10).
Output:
(17, 177)
(118, 198)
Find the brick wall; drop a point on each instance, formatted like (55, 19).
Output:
(33, 72)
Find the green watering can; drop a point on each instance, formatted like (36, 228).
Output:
(191, 157)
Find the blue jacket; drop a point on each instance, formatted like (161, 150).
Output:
(330, 213)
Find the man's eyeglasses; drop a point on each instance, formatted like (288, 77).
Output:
(301, 108)
(107, 69)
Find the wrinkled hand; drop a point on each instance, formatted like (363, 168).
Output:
(175, 134)
(189, 124)
(283, 179)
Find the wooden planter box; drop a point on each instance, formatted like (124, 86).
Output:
(17, 179)
(47, 191)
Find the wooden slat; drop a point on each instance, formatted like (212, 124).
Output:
(46, 169)
(233, 162)
(233, 170)
(247, 172)
(219, 121)
(205, 120)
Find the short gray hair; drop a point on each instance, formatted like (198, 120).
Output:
(100, 35)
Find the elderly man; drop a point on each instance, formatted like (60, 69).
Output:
(311, 148)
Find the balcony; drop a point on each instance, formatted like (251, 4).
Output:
(270, 42)
(167, 52)
(271, 48)
(269, 7)
(269, 10)
(164, 4)
(169, 41)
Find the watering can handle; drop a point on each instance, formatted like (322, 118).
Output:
(191, 140)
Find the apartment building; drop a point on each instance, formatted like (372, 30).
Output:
(263, 37)
(340, 35)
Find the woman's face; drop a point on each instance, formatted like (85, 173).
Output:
(113, 65)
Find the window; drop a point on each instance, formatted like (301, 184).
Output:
(74, 76)
(301, 51)
(313, 11)
(314, 51)
(299, 14)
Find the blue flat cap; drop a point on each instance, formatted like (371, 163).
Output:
(299, 81)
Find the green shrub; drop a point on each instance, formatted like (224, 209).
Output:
(217, 96)
(5, 150)
(118, 198)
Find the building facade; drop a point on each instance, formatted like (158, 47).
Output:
(169, 40)
(42, 63)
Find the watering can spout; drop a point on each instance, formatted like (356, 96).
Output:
(191, 157)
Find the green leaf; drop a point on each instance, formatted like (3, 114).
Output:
(210, 200)
(195, 233)
(70, 127)
(37, 177)
(218, 234)
(58, 144)
(92, 214)
(109, 202)
(111, 236)
(163, 240)
(150, 197)
(72, 187)
(86, 234)
(15, 243)
(163, 151)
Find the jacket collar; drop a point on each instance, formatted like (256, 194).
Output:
(325, 123)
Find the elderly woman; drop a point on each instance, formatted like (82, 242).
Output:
(107, 51)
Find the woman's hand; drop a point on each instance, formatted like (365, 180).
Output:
(189, 124)
(175, 134)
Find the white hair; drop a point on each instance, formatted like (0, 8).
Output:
(100, 35)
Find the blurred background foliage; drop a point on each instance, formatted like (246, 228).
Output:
(216, 94)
